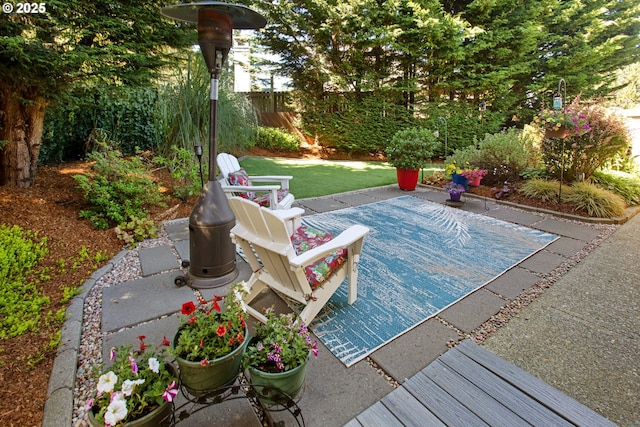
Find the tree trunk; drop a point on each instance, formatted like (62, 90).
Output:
(21, 124)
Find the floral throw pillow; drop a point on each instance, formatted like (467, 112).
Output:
(306, 238)
(240, 177)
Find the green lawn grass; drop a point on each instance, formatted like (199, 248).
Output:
(315, 178)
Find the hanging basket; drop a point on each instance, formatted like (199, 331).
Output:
(560, 133)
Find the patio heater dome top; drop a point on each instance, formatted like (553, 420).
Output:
(242, 17)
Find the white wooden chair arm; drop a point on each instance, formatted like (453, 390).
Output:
(289, 214)
(282, 179)
(344, 239)
(244, 188)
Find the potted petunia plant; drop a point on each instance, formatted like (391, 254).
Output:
(210, 341)
(474, 175)
(454, 190)
(137, 387)
(276, 357)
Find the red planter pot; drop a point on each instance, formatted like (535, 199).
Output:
(407, 178)
(475, 182)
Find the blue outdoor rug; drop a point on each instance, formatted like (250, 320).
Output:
(419, 258)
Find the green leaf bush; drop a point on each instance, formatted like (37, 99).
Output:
(277, 139)
(412, 148)
(504, 155)
(119, 189)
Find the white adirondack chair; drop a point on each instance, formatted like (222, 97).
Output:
(236, 182)
(271, 253)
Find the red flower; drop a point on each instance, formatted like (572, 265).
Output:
(240, 337)
(232, 340)
(143, 346)
(188, 308)
(204, 362)
(193, 319)
(215, 305)
(165, 341)
(221, 330)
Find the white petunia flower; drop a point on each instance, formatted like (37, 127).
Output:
(128, 386)
(116, 412)
(154, 365)
(106, 382)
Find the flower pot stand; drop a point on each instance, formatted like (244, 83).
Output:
(453, 203)
(241, 389)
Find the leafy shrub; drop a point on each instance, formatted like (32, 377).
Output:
(411, 148)
(625, 185)
(20, 300)
(136, 230)
(503, 155)
(118, 189)
(586, 153)
(596, 201)
(184, 168)
(277, 139)
(540, 189)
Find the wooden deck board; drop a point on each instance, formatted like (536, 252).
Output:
(436, 400)
(409, 410)
(469, 385)
(472, 397)
(378, 415)
(507, 394)
(542, 392)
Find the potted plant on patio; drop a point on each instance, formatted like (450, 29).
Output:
(135, 389)
(474, 175)
(276, 357)
(409, 150)
(560, 124)
(454, 190)
(208, 345)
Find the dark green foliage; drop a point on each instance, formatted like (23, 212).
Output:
(277, 139)
(119, 189)
(366, 124)
(124, 115)
(20, 300)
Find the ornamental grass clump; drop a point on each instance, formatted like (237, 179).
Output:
(546, 190)
(596, 201)
(136, 383)
(209, 331)
(281, 344)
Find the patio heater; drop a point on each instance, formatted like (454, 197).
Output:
(212, 255)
